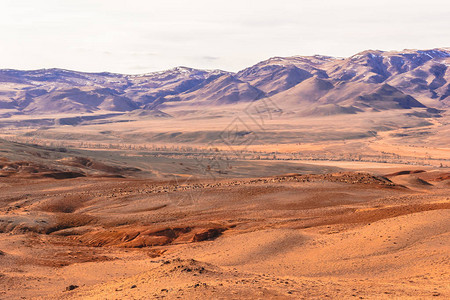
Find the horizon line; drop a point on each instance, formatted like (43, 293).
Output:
(446, 49)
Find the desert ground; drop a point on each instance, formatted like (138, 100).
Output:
(87, 227)
(164, 209)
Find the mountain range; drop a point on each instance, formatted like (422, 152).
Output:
(372, 80)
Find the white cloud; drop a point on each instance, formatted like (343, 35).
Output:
(137, 36)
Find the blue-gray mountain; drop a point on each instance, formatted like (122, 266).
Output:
(370, 80)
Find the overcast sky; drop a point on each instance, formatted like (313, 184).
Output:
(139, 36)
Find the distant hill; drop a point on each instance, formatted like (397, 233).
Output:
(372, 80)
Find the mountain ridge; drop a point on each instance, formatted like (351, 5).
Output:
(422, 76)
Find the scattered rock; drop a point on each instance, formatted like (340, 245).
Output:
(71, 287)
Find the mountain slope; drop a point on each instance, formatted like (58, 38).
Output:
(388, 97)
(219, 90)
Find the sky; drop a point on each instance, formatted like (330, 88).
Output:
(141, 36)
